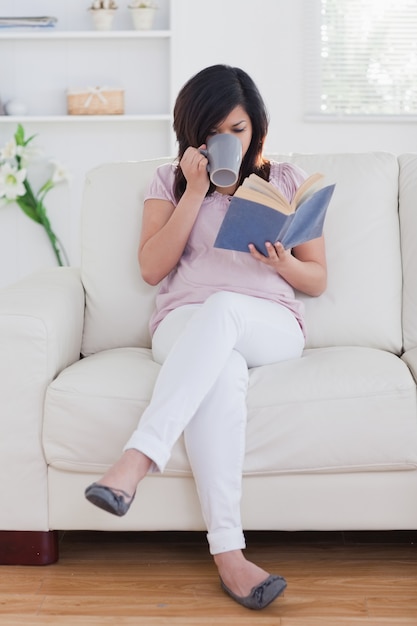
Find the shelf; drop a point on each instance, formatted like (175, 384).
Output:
(78, 55)
(85, 34)
(163, 117)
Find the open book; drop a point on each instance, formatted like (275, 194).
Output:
(259, 212)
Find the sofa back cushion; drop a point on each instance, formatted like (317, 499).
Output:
(361, 306)
(362, 302)
(118, 301)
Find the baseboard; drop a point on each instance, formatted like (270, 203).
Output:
(21, 547)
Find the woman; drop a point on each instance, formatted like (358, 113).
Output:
(217, 314)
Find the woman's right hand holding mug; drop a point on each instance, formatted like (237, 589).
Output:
(194, 167)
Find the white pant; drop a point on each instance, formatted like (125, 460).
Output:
(205, 351)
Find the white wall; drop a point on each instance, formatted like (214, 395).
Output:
(264, 37)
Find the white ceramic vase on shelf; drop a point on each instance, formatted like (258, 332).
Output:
(102, 18)
(142, 17)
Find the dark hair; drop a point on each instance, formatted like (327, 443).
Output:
(205, 101)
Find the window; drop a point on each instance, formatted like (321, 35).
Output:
(361, 59)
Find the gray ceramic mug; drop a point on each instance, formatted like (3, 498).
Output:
(224, 153)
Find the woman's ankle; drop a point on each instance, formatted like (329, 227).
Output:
(231, 558)
(127, 472)
(136, 462)
(237, 573)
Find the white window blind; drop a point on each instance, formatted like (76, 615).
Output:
(361, 58)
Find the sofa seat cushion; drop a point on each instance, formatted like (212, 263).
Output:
(334, 410)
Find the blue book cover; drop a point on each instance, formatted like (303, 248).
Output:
(248, 222)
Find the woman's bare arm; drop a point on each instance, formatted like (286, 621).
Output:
(165, 232)
(165, 228)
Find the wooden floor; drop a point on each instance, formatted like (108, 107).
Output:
(155, 579)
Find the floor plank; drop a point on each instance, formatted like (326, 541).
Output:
(156, 579)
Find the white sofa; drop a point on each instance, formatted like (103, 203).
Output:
(331, 437)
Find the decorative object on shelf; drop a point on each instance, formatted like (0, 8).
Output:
(2, 109)
(15, 107)
(102, 13)
(26, 22)
(15, 186)
(95, 101)
(143, 14)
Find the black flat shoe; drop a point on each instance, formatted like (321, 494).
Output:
(260, 596)
(114, 501)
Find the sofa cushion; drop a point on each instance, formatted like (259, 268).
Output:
(335, 409)
(362, 303)
(361, 306)
(118, 302)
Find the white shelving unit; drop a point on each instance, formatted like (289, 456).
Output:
(37, 68)
(136, 61)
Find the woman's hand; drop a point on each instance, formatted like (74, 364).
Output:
(304, 267)
(194, 167)
(276, 257)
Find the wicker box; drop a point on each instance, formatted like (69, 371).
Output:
(95, 101)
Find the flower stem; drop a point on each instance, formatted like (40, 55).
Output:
(55, 243)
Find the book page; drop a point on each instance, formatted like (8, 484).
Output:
(302, 189)
(257, 189)
(264, 189)
(247, 193)
(256, 182)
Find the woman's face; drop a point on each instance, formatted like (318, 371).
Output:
(236, 123)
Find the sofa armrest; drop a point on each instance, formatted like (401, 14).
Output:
(410, 358)
(41, 324)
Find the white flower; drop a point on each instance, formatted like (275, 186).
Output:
(60, 173)
(11, 182)
(9, 151)
(15, 186)
(28, 154)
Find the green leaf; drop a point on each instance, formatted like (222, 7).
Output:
(30, 139)
(20, 135)
(29, 210)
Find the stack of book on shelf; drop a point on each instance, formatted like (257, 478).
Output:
(27, 22)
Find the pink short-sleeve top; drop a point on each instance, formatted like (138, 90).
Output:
(204, 270)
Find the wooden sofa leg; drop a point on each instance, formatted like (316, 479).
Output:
(21, 547)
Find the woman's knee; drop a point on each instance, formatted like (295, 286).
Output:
(224, 304)
(235, 372)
